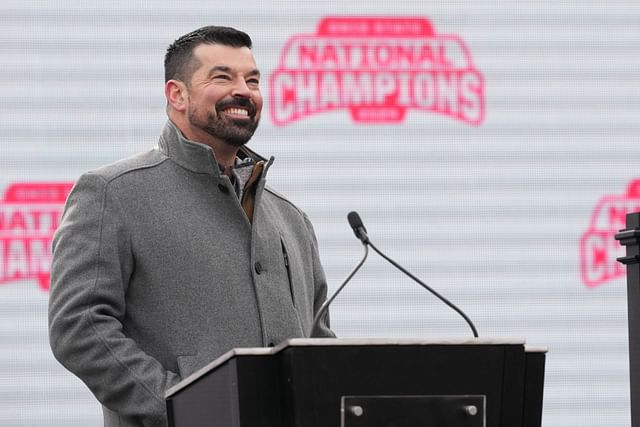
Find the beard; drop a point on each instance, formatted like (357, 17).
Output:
(235, 132)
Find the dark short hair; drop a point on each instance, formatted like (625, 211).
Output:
(179, 62)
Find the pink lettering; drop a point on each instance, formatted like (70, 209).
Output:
(364, 64)
(598, 248)
(17, 221)
(29, 216)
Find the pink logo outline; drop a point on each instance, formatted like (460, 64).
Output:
(377, 68)
(29, 215)
(598, 247)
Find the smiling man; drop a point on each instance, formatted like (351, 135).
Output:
(168, 259)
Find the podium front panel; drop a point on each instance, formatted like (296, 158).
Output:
(318, 377)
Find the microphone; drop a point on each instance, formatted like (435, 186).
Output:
(358, 227)
(361, 233)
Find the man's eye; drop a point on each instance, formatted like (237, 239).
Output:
(221, 77)
(254, 82)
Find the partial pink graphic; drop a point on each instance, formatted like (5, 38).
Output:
(377, 68)
(598, 246)
(29, 215)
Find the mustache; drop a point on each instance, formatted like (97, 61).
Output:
(237, 102)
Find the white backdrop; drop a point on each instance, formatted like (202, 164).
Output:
(512, 217)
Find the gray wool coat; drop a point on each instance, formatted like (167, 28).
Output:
(157, 271)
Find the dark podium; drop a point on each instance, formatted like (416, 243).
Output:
(322, 382)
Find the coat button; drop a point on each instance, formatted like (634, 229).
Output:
(223, 188)
(258, 267)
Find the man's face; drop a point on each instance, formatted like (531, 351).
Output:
(224, 94)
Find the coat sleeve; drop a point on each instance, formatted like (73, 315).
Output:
(92, 263)
(320, 286)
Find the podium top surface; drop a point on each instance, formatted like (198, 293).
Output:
(336, 342)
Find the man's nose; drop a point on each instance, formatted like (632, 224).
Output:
(240, 88)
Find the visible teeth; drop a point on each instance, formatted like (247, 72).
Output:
(238, 111)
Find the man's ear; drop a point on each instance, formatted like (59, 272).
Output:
(177, 95)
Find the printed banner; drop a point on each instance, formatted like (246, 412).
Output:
(29, 215)
(377, 68)
(598, 247)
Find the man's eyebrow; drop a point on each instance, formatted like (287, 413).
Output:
(229, 70)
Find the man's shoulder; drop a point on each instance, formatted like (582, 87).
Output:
(285, 205)
(279, 198)
(136, 163)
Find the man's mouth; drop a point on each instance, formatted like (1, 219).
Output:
(235, 111)
(238, 108)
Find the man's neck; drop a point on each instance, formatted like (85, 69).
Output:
(225, 154)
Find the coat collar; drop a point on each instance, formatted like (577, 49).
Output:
(193, 155)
